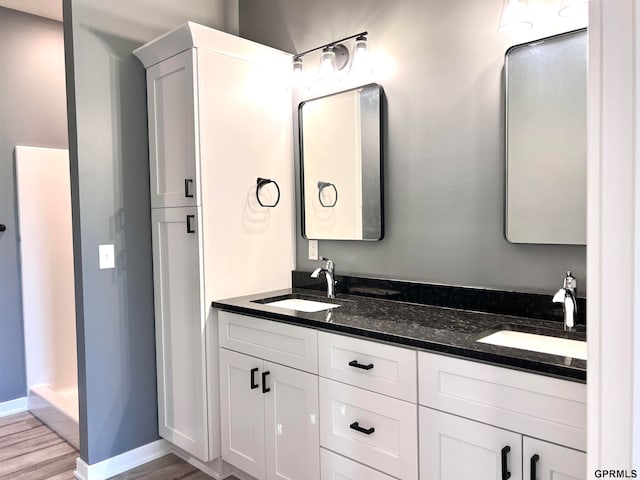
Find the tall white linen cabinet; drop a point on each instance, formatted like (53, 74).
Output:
(219, 119)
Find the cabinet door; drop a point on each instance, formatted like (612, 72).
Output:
(242, 412)
(173, 151)
(452, 448)
(546, 461)
(179, 318)
(292, 436)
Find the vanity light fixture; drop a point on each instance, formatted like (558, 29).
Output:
(335, 56)
(515, 17)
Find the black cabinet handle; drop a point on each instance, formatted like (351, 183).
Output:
(189, 226)
(358, 428)
(354, 363)
(265, 389)
(534, 462)
(187, 190)
(505, 473)
(3, 227)
(253, 378)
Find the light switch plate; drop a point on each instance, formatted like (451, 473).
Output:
(107, 256)
(313, 249)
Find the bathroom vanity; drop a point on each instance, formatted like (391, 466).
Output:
(383, 389)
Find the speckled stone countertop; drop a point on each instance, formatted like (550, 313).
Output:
(438, 329)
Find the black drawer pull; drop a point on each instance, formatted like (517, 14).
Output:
(265, 389)
(358, 428)
(354, 363)
(534, 462)
(187, 190)
(505, 473)
(253, 378)
(189, 226)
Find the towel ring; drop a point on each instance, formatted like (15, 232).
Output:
(321, 186)
(261, 182)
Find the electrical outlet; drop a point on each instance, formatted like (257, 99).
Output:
(313, 249)
(107, 256)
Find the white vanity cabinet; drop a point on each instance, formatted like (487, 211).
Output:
(269, 421)
(453, 447)
(219, 118)
(368, 411)
(547, 461)
(522, 415)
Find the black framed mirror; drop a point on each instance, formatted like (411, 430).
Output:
(341, 165)
(546, 140)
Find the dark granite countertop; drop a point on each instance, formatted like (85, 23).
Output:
(437, 329)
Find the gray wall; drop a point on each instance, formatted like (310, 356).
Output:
(110, 200)
(444, 169)
(32, 112)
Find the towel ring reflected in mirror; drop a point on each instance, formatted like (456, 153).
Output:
(321, 186)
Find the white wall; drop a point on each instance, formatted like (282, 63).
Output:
(46, 257)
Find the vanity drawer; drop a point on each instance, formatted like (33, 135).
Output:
(370, 428)
(289, 345)
(542, 407)
(375, 366)
(337, 467)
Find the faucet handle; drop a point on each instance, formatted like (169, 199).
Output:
(570, 282)
(330, 264)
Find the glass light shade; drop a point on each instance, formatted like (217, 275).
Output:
(360, 62)
(574, 9)
(298, 70)
(327, 68)
(515, 17)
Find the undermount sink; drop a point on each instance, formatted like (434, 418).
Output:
(538, 343)
(302, 305)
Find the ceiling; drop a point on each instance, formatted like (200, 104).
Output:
(44, 8)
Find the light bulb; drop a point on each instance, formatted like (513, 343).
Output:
(360, 62)
(327, 70)
(515, 17)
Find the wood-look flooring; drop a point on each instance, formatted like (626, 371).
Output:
(29, 450)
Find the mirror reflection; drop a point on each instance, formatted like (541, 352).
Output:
(546, 134)
(341, 165)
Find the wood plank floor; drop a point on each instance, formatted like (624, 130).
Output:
(29, 450)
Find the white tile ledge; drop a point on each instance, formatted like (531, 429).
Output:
(121, 463)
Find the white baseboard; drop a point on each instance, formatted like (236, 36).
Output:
(121, 463)
(13, 406)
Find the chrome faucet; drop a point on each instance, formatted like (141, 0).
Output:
(567, 296)
(328, 270)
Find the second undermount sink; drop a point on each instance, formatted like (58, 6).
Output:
(538, 343)
(302, 305)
